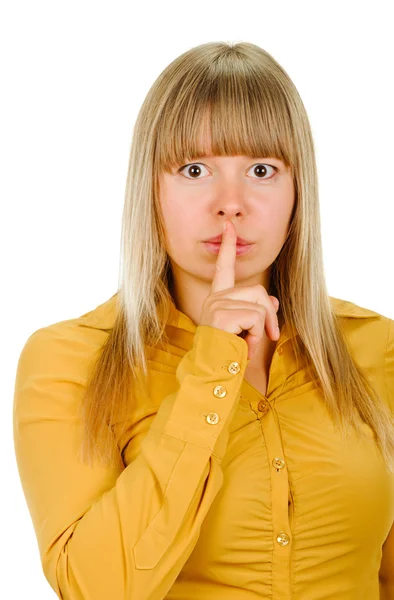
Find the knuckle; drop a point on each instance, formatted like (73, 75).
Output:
(262, 288)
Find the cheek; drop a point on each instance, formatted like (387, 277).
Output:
(274, 229)
(181, 225)
(182, 231)
(280, 216)
(172, 218)
(184, 218)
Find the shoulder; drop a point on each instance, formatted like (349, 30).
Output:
(366, 327)
(65, 349)
(389, 363)
(363, 324)
(370, 336)
(103, 316)
(348, 309)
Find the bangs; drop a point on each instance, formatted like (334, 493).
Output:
(225, 114)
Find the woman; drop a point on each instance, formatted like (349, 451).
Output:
(219, 459)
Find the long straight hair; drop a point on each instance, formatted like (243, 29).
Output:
(250, 107)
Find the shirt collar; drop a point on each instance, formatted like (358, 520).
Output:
(103, 317)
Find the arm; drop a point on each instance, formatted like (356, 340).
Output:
(123, 532)
(386, 572)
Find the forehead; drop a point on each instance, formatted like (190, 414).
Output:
(204, 148)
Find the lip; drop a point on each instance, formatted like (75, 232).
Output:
(218, 240)
(215, 247)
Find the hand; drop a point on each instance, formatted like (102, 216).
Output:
(235, 309)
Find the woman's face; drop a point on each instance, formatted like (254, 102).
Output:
(257, 195)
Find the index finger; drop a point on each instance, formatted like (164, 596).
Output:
(224, 277)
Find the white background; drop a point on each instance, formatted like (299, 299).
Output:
(73, 77)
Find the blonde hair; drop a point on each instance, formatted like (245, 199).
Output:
(251, 108)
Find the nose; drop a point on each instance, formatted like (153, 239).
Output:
(230, 201)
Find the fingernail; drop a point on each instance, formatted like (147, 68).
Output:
(225, 227)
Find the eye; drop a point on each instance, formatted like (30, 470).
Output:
(192, 169)
(261, 168)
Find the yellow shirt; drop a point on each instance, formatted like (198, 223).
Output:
(223, 494)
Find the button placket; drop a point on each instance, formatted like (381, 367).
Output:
(283, 539)
(282, 530)
(263, 406)
(278, 463)
(267, 401)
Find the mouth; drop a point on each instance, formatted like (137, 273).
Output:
(218, 240)
(214, 247)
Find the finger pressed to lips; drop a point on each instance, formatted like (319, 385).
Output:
(224, 277)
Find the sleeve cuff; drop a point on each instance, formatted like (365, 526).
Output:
(210, 377)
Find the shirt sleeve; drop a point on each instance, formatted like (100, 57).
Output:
(386, 573)
(389, 365)
(122, 532)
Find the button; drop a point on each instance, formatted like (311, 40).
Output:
(220, 391)
(234, 368)
(283, 539)
(280, 350)
(263, 406)
(212, 418)
(278, 463)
